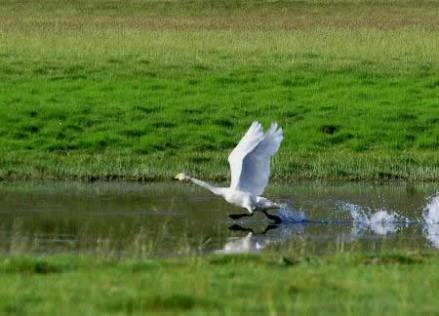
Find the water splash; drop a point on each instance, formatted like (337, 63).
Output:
(380, 221)
(383, 222)
(290, 215)
(431, 211)
(431, 220)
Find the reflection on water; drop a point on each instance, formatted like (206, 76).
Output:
(143, 220)
(253, 241)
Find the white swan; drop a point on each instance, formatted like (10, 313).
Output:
(250, 170)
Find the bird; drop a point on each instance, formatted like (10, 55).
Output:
(250, 171)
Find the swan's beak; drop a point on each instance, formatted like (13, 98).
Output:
(180, 177)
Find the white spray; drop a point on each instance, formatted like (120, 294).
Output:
(290, 215)
(431, 220)
(380, 222)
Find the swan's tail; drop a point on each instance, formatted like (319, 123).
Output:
(265, 204)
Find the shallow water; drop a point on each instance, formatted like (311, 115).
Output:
(167, 219)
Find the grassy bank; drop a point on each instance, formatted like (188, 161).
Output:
(383, 284)
(143, 90)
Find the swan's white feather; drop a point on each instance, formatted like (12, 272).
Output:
(251, 139)
(250, 160)
(250, 170)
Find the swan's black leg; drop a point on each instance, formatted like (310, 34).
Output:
(269, 227)
(240, 228)
(238, 216)
(245, 229)
(274, 218)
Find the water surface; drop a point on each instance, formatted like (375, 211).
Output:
(167, 219)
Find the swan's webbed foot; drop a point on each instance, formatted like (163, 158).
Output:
(238, 227)
(276, 219)
(238, 216)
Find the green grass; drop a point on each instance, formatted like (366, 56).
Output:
(385, 284)
(143, 90)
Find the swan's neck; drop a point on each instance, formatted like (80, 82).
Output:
(211, 188)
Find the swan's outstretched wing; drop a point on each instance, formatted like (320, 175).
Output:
(250, 160)
(251, 139)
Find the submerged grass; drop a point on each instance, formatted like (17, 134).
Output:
(143, 90)
(366, 284)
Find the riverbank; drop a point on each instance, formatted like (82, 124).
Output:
(99, 91)
(213, 166)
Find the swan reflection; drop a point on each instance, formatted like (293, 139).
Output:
(256, 241)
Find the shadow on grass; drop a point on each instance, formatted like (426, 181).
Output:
(167, 302)
(37, 265)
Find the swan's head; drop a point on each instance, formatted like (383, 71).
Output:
(181, 177)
